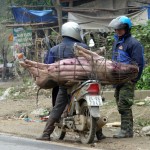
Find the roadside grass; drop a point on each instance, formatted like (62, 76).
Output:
(1, 91)
(142, 122)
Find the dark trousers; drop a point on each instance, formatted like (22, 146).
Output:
(58, 108)
(60, 104)
(54, 94)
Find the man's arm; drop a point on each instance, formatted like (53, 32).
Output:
(46, 57)
(49, 59)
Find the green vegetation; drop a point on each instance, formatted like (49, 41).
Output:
(1, 91)
(142, 122)
(142, 34)
(144, 82)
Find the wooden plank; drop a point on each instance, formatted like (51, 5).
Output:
(83, 9)
(29, 24)
(32, 6)
(59, 14)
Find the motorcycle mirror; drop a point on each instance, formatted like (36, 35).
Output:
(91, 43)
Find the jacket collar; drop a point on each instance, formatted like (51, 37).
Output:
(121, 39)
(68, 39)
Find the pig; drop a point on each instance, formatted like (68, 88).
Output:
(86, 65)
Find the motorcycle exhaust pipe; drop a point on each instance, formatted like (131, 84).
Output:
(101, 122)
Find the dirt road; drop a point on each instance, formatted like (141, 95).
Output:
(12, 108)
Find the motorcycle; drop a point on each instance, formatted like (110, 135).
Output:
(83, 112)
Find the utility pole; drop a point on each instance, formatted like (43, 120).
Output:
(71, 3)
(59, 14)
(4, 55)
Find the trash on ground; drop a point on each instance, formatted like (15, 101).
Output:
(31, 120)
(40, 112)
(5, 94)
(114, 124)
(44, 118)
(140, 103)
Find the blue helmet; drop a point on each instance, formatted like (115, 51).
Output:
(121, 22)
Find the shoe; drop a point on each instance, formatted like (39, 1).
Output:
(100, 135)
(126, 125)
(123, 134)
(43, 137)
(49, 128)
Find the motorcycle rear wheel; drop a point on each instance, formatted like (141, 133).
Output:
(88, 136)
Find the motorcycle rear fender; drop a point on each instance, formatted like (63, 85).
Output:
(94, 110)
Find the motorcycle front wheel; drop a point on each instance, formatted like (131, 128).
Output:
(88, 135)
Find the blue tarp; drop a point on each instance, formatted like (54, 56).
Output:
(148, 7)
(23, 15)
(148, 10)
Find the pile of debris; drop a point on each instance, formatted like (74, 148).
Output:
(146, 101)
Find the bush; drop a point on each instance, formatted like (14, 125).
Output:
(144, 82)
(142, 34)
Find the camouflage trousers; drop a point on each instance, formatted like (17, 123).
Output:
(124, 95)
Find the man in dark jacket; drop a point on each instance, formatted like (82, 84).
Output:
(128, 50)
(71, 33)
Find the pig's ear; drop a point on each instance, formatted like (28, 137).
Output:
(24, 65)
(30, 62)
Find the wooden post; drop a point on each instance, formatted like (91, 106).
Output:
(4, 55)
(71, 3)
(59, 14)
